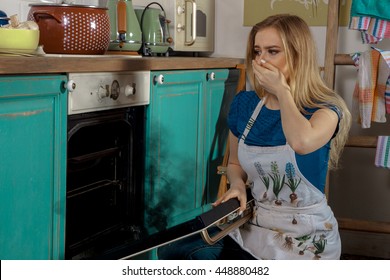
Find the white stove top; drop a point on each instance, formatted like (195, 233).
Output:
(89, 92)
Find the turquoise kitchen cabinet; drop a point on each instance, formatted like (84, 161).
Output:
(186, 134)
(33, 113)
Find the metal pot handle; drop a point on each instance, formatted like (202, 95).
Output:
(43, 12)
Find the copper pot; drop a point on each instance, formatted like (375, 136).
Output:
(72, 29)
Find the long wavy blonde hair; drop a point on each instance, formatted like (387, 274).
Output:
(307, 86)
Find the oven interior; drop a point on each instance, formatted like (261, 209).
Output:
(105, 160)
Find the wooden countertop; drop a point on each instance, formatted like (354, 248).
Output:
(108, 63)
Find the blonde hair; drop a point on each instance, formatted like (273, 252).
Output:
(307, 86)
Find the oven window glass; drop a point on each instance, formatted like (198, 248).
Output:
(201, 20)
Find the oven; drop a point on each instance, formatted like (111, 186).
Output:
(105, 161)
(105, 204)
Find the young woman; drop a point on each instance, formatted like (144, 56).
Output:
(284, 135)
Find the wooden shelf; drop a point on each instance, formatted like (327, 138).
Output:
(362, 141)
(343, 59)
(361, 225)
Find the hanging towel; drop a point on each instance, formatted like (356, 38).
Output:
(372, 30)
(382, 155)
(372, 8)
(372, 89)
(384, 78)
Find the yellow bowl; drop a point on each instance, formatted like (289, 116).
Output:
(18, 40)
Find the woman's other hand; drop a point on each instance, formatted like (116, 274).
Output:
(234, 192)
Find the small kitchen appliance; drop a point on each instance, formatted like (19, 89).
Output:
(125, 31)
(192, 24)
(155, 31)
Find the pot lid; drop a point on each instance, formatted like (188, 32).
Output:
(65, 5)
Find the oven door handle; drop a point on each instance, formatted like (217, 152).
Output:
(246, 216)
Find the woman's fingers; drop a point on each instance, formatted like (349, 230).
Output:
(241, 196)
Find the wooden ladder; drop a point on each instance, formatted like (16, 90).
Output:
(332, 58)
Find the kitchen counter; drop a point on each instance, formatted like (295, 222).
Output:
(108, 63)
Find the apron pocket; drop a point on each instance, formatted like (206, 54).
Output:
(292, 224)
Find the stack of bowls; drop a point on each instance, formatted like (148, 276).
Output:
(18, 40)
(21, 39)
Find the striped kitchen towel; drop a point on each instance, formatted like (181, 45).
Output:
(373, 30)
(371, 97)
(382, 155)
(384, 78)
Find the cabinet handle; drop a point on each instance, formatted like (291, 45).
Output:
(158, 79)
(210, 76)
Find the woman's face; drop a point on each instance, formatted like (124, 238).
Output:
(269, 47)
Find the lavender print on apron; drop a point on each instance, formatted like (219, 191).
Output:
(292, 219)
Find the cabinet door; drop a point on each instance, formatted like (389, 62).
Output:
(220, 91)
(174, 148)
(32, 172)
(186, 139)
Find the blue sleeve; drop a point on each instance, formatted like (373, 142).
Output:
(337, 111)
(334, 109)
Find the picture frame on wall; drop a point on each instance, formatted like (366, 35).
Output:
(314, 12)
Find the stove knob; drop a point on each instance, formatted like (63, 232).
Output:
(180, 27)
(103, 91)
(115, 90)
(180, 10)
(130, 90)
(70, 86)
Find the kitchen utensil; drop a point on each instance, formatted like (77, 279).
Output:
(72, 29)
(125, 31)
(155, 31)
(23, 41)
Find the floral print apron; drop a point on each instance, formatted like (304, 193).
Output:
(292, 219)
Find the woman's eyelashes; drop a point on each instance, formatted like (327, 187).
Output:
(269, 52)
(273, 51)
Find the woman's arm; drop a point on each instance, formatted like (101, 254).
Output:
(303, 135)
(236, 176)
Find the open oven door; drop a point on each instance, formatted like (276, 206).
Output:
(225, 216)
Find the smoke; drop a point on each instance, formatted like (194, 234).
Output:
(169, 179)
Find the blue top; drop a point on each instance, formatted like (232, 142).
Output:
(267, 131)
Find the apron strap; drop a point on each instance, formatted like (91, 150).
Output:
(252, 119)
